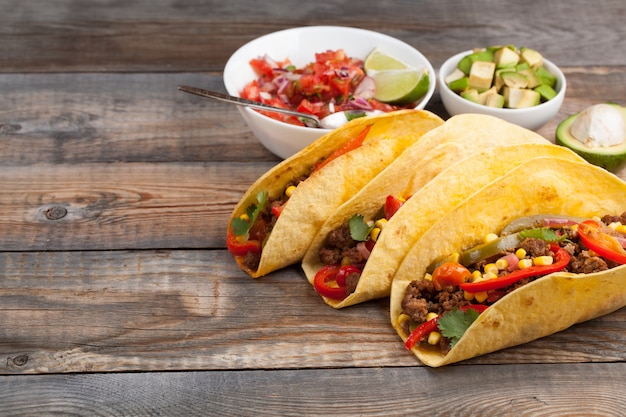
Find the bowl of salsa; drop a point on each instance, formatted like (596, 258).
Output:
(320, 70)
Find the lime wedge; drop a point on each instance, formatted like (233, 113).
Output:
(378, 60)
(400, 86)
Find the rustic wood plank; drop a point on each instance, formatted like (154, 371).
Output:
(144, 35)
(67, 118)
(78, 118)
(192, 310)
(120, 206)
(520, 390)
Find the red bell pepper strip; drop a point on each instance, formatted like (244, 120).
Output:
(347, 147)
(239, 248)
(603, 244)
(343, 273)
(561, 257)
(321, 282)
(431, 325)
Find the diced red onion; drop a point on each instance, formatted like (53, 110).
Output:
(361, 103)
(265, 95)
(366, 88)
(362, 248)
(512, 261)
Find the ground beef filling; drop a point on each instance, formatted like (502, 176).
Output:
(421, 297)
(265, 224)
(341, 249)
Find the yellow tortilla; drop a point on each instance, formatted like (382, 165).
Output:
(547, 305)
(327, 188)
(430, 199)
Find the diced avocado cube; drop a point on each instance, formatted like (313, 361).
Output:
(522, 66)
(459, 85)
(546, 92)
(505, 58)
(531, 77)
(481, 75)
(484, 96)
(545, 76)
(494, 48)
(457, 74)
(498, 83)
(495, 100)
(514, 80)
(531, 56)
(465, 64)
(516, 98)
(471, 95)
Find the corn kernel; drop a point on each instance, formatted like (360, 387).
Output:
(490, 237)
(480, 296)
(431, 315)
(621, 229)
(402, 199)
(434, 338)
(490, 268)
(454, 257)
(490, 275)
(380, 223)
(476, 275)
(543, 260)
(289, 190)
(245, 217)
(374, 234)
(428, 277)
(502, 264)
(614, 225)
(520, 253)
(525, 263)
(469, 296)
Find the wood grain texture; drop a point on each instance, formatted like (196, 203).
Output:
(117, 296)
(175, 35)
(100, 311)
(519, 390)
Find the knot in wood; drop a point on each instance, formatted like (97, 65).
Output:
(20, 360)
(55, 213)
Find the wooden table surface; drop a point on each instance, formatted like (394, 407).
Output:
(117, 296)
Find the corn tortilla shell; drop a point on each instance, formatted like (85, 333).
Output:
(456, 181)
(547, 305)
(327, 188)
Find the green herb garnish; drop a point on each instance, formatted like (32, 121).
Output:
(241, 227)
(350, 115)
(359, 230)
(543, 233)
(453, 324)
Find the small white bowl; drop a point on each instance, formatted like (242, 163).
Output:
(531, 117)
(300, 46)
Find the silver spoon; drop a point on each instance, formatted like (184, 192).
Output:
(329, 122)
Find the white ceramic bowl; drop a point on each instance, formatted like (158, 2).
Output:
(531, 118)
(300, 46)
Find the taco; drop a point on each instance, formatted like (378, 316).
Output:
(276, 219)
(365, 240)
(570, 268)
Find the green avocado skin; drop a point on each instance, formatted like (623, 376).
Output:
(611, 159)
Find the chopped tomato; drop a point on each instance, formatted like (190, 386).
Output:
(327, 85)
(450, 273)
(392, 204)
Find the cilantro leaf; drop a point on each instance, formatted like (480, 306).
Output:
(543, 233)
(351, 115)
(359, 230)
(453, 324)
(241, 227)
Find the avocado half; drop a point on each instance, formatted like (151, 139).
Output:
(611, 158)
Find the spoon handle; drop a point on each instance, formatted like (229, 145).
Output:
(314, 121)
